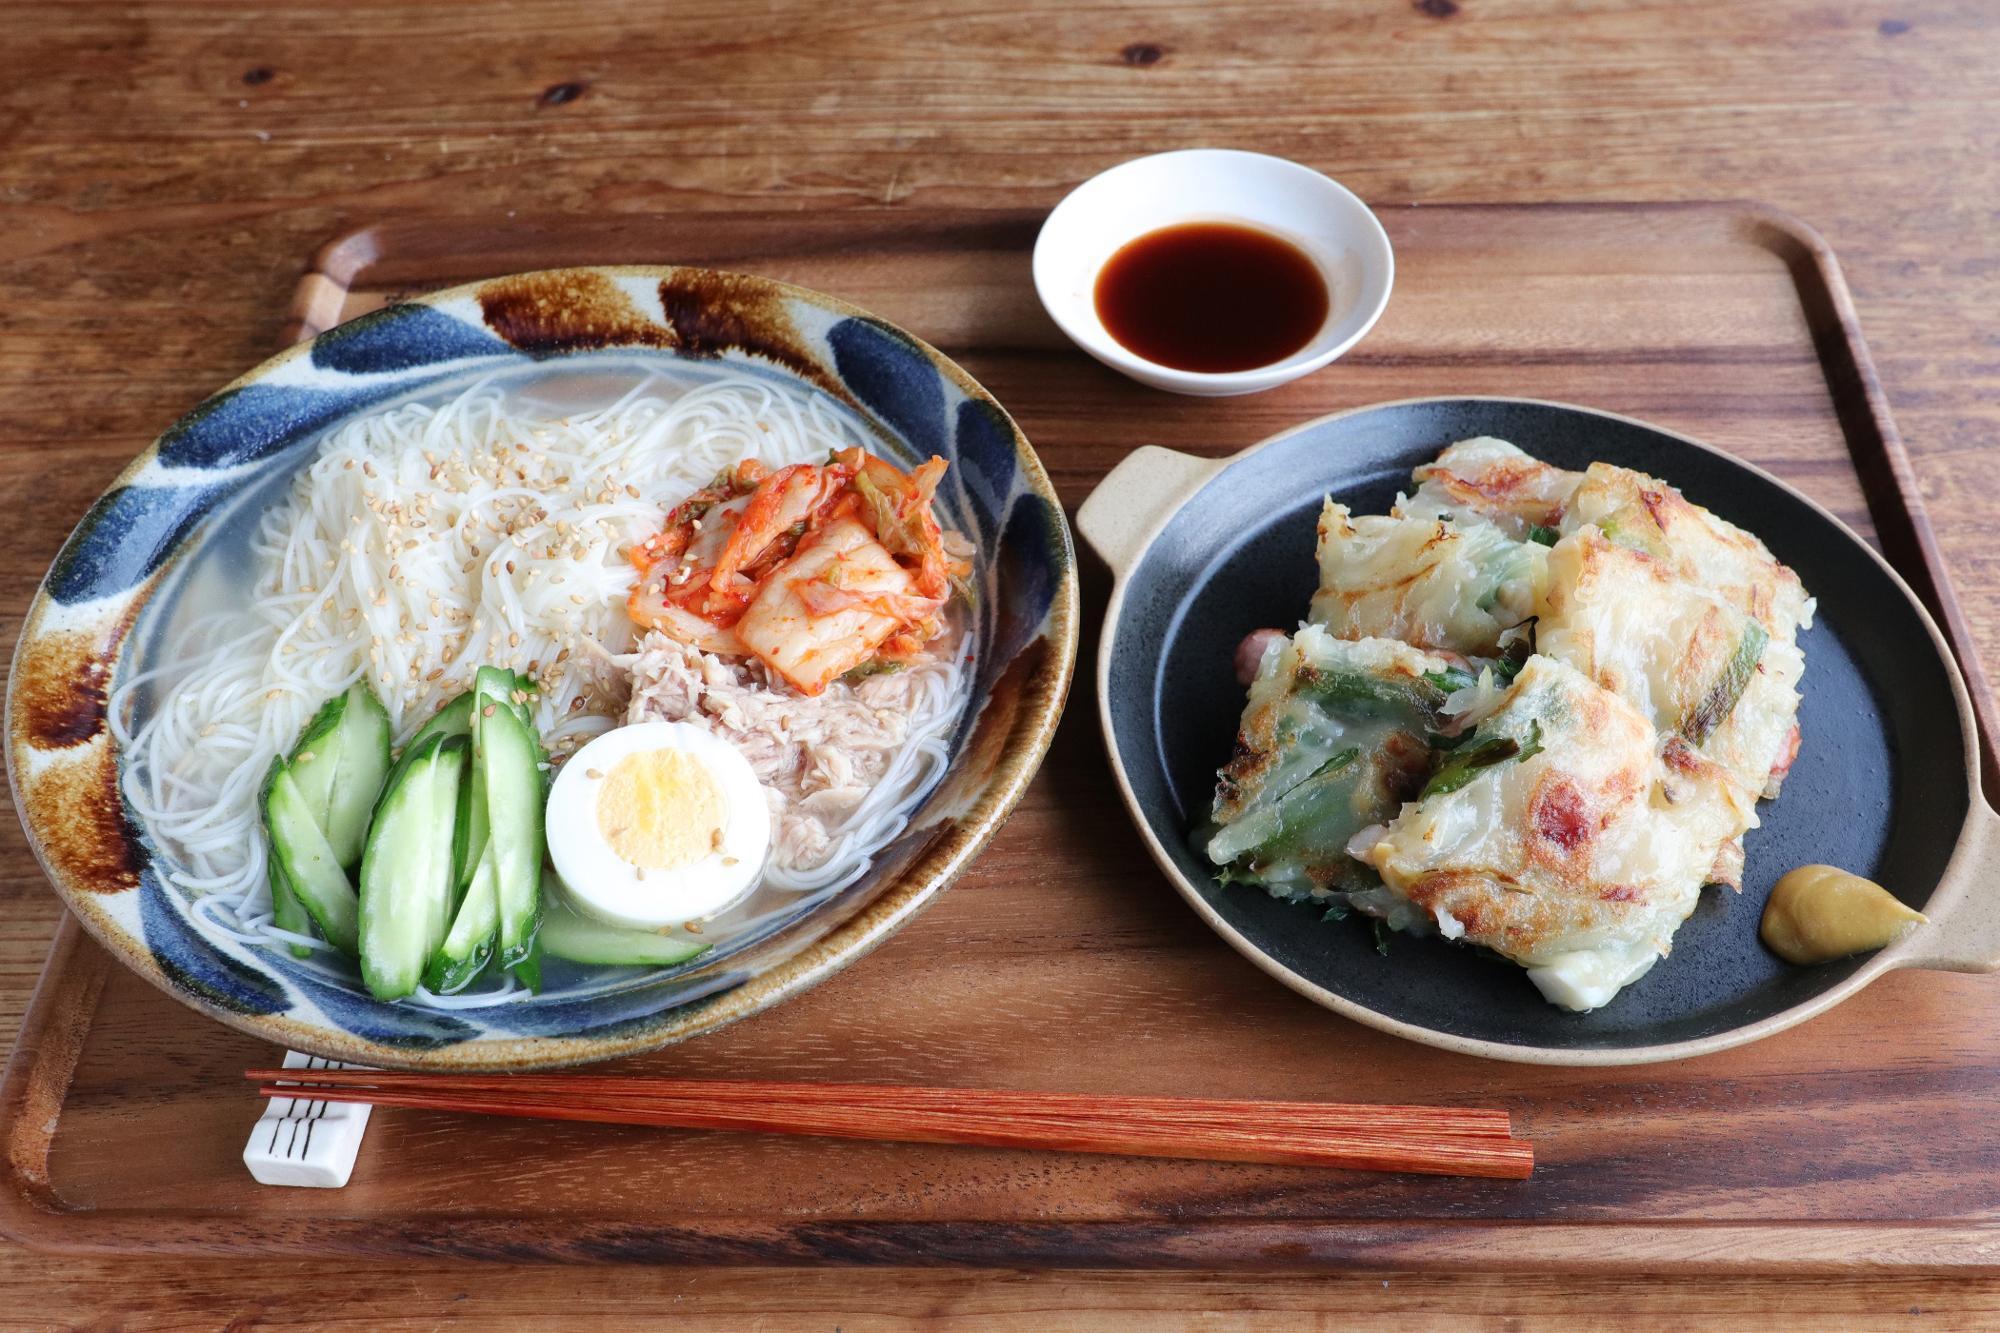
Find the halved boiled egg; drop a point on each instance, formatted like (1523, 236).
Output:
(656, 824)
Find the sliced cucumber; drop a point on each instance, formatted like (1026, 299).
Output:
(308, 862)
(469, 944)
(339, 764)
(454, 719)
(315, 758)
(407, 884)
(469, 837)
(364, 768)
(287, 912)
(507, 752)
(528, 969)
(567, 933)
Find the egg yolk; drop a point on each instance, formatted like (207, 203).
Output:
(661, 810)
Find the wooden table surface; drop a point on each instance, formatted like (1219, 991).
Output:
(166, 168)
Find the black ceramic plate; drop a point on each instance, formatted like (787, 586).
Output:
(1882, 784)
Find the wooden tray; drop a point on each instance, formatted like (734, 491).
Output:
(1864, 1138)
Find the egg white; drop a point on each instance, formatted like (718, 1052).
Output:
(610, 888)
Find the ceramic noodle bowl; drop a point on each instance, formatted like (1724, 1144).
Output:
(174, 529)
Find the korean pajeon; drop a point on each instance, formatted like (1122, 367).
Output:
(1531, 710)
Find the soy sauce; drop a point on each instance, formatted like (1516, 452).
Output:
(1211, 297)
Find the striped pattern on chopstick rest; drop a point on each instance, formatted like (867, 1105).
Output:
(308, 1141)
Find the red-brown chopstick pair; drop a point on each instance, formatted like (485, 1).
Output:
(1446, 1141)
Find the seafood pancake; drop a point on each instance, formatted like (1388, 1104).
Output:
(1692, 664)
(1534, 711)
(1645, 514)
(1335, 738)
(1495, 480)
(1561, 836)
(1431, 582)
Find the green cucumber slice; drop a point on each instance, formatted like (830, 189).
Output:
(469, 944)
(454, 719)
(567, 933)
(363, 741)
(308, 862)
(315, 757)
(506, 750)
(469, 837)
(407, 886)
(287, 912)
(339, 764)
(528, 969)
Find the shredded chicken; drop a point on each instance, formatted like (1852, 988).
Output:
(817, 755)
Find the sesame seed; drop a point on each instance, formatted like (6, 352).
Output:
(305, 756)
(692, 927)
(592, 773)
(435, 674)
(488, 710)
(274, 694)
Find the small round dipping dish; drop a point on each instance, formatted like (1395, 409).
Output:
(1215, 185)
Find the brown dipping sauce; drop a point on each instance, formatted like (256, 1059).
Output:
(1211, 297)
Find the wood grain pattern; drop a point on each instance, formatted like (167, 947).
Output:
(1078, 971)
(166, 164)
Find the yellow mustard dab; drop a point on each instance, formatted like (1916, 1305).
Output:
(1820, 913)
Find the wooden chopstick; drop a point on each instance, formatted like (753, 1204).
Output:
(1470, 1121)
(1437, 1141)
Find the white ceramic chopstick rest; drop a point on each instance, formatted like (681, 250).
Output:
(301, 1141)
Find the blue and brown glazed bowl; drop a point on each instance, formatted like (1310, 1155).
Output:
(98, 615)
